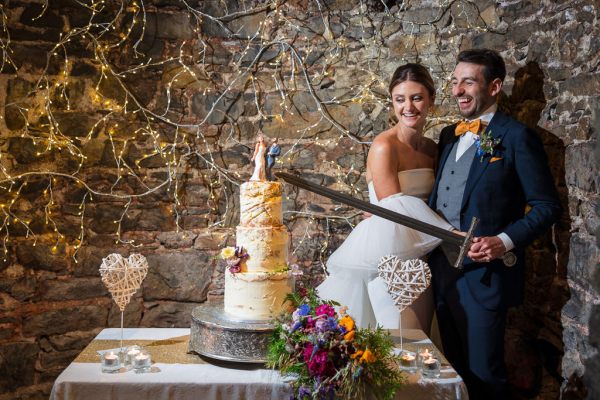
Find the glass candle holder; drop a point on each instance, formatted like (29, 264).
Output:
(130, 353)
(408, 361)
(142, 362)
(430, 367)
(110, 362)
(423, 353)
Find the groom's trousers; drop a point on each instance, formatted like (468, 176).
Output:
(472, 336)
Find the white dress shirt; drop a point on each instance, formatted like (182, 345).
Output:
(467, 140)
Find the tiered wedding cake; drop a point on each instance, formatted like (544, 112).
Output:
(258, 290)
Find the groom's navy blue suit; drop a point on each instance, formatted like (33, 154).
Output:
(471, 305)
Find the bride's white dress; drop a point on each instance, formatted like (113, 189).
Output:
(259, 173)
(353, 279)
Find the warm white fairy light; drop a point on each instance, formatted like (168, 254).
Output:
(289, 72)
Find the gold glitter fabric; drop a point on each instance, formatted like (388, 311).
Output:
(167, 351)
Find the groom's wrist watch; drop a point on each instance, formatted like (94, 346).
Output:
(509, 259)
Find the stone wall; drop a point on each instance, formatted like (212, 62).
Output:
(136, 139)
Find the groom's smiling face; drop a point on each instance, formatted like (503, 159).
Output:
(471, 90)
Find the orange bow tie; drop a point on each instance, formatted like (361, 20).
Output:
(474, 126)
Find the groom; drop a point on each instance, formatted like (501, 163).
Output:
(491, 167)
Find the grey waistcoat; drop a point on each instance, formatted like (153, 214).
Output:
(452, 184)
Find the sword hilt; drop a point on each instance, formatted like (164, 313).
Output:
(464, 248)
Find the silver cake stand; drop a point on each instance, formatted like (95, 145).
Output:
(218, 335)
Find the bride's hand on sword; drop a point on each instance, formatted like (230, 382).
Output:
(486, 249)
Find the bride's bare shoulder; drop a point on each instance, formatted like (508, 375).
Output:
(384, 141)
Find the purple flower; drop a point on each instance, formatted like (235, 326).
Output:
(326, 324)
(303, 310)
(303, 391)
(240, 252)
(234, 269)
(296, 326)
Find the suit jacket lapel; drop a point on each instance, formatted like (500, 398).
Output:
(497, 128)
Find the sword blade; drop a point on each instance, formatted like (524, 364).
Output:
(404, 220)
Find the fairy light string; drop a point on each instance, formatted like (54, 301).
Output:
(150, 146)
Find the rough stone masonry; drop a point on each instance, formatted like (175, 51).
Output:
(189, 83)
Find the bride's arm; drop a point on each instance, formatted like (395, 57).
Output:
(383, 166)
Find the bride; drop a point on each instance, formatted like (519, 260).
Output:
(400, 177)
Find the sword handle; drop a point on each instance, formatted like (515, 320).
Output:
(464, 248)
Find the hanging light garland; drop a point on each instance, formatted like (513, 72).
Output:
(277, 58)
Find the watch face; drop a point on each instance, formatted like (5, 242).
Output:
(509, 259)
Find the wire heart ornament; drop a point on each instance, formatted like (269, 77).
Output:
(405, 280)
(123, 276)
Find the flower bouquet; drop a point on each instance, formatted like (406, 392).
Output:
(234, 256)
(328, 357)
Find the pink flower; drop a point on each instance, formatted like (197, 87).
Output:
(233, 262)
(318, 361)
(325, 309)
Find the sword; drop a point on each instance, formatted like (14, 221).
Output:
(463, 242)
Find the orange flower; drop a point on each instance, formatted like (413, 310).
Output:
(357, 354)
(368, 357)
(349, 336)
(347, 322)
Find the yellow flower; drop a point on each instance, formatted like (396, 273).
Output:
(227, 252)
(349, 336)
(368, 357)
(347, 322)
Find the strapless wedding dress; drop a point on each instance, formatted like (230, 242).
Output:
(353, 280)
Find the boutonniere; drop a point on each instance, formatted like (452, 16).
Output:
(485, 144)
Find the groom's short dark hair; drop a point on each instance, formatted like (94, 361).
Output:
(492, 61)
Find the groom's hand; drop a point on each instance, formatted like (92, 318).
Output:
(486, 249)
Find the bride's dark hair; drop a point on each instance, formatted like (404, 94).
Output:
(412, 72)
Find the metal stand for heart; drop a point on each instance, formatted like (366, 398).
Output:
(123, 277)
(405, 280)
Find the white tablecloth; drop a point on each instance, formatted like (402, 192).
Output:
(208, 381)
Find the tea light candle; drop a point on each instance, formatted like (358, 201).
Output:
(132, 352)
(110, 362)
(142, 362)
(431, 367)
(408, 361)
(423, 353)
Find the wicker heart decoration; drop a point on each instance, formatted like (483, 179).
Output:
(123, 276)
(405, 280)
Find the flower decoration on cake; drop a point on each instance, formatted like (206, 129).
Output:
(485, 144)
(234, 256)
(326, 356)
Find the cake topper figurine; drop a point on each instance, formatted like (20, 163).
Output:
(274, 152)
(259, 159)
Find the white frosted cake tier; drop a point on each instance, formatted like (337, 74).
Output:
(267, 247)
(260, 204)
(256, 296)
